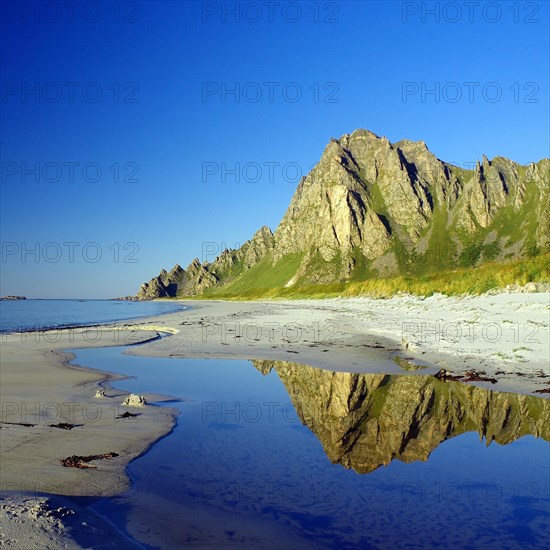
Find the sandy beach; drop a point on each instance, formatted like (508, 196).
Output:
(504, 337)
(50, 410)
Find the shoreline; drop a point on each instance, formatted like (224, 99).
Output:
(58, 416)
(347, 335)
(53, 521)
(504, 338)
(75, 326)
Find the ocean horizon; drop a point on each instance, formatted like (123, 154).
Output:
(43, 314)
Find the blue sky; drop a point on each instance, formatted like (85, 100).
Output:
(120, 133)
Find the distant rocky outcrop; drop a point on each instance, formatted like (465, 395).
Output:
(371, 208)
(365, 421)
(13, 298)
(198, 277)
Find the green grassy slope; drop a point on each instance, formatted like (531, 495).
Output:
(450, 282)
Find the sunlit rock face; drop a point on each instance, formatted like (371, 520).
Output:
(365, 421)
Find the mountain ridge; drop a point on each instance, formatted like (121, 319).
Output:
(370, 209)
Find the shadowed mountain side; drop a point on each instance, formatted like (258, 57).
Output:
(365, 421)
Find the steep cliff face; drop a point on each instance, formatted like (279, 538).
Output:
(371, 208)
(365, 421)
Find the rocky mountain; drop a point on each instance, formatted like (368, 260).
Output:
(365, 421)
(371, 208)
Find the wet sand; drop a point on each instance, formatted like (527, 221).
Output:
(49, 412)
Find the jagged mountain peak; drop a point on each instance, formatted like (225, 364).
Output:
(370, 208)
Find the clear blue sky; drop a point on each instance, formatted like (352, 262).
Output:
(163, 123)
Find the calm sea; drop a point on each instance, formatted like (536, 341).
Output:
(26, 315)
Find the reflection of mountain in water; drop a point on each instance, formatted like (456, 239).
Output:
(365, 421)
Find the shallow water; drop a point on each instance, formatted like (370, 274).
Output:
(27, 315)
(248, 461)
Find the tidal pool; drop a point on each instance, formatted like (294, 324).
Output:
(282, 455)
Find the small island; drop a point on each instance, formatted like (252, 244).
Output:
(13, 298)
